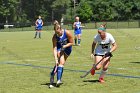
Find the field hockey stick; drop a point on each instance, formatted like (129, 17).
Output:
(56, 65)
(92, 68)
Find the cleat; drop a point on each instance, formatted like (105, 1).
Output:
(78, 44)
(59, 82)
(92, 72)
(101, 80)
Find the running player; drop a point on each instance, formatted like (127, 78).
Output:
(62, 47)
(39, 24)
(77, 31)
(103, 45)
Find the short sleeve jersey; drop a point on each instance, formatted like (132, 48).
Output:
(103, 46)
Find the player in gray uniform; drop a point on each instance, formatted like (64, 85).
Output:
(103, 45)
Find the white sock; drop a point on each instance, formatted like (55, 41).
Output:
(103, 73)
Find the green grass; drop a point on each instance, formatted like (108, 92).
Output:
(25, 64)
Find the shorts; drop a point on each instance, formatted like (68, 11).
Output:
(67, 51)
(98, 55)
(77, 32)
(39, 28)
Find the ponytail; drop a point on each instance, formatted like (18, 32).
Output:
(56, 25)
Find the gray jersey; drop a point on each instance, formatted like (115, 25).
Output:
(103, 46)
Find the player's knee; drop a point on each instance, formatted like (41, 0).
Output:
(105, 68)
(97, 67)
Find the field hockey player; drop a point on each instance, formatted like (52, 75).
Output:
(62, 47)
(103, 45)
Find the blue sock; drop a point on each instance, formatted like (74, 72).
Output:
(59, 72)
(79, 40)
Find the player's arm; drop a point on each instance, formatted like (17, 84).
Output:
(42, 22)
(114, 44)
(70, 39)
(93, 47)
(114, 47)
(36, 23)
(74, 26)
(55, 48)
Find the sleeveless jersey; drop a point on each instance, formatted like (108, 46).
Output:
(39, 22)
(77, 24)
(62, 40)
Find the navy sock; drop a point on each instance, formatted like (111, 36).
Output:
(79, 41)
(52, 73)
(75, 41)
(35, 34)
(39, 34)
(59, 72)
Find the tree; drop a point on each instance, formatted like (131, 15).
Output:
(84, 12)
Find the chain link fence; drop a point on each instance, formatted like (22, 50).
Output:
(49, 26)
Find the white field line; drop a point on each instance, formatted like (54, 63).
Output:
(127, 36)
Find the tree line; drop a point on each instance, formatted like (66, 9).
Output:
(26, 11)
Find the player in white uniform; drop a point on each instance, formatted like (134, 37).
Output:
(103, 45)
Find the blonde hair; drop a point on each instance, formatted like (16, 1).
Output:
(56, 25)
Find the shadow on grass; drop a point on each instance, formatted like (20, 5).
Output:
(48, 84)
(93, 81)
(135, 62)
(89, 81)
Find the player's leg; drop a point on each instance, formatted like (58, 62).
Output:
(52, 73)
(75, 37)
(75, 40)
(97, 59)
(104, 70)
(39, 34)
(60, 70)
(79, 39)
(63, 59)
(35, 34)
(79, 36)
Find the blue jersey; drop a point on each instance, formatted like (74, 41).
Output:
(77, 29)
(39, 24)
(63, 40)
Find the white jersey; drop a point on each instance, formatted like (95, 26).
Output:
(103, 46)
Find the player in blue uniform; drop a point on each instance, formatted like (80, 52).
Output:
(39, 24)
(62, 47)
(77, 31)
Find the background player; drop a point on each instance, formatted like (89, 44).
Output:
(39, 24)
(77, 31)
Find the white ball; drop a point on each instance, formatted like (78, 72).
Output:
(51, 86)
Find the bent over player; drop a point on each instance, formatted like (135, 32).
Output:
(62, 47)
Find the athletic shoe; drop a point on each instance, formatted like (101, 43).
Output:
(59, 82)
(101, 80)
(52, 79)
(92, 72)
(78, 44)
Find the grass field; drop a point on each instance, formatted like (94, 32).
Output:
(25, 64)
